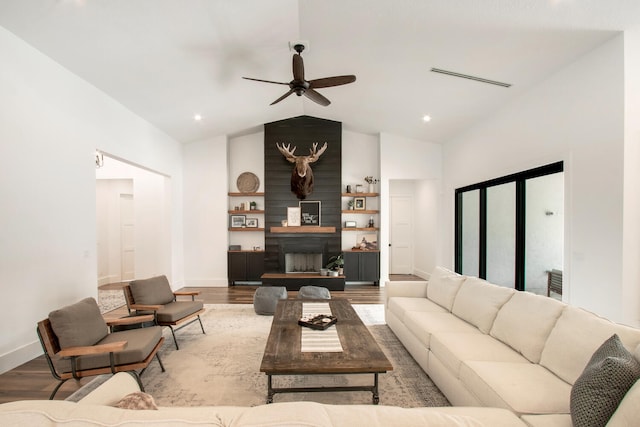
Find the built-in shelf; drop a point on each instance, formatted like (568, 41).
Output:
(303, 229)
(246, 229)
(245, 194)
(255, 211)
(360, 229)
(360, 194)
(361, 211)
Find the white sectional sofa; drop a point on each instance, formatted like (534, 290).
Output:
(98, 409)
(491, 346)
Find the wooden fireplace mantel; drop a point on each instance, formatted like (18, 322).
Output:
(303, 229)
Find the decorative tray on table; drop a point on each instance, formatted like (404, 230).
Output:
(318, 321)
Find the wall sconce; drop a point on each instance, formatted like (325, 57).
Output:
(99, 157)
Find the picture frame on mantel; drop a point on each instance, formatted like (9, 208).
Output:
(293, 216)
(310, 212)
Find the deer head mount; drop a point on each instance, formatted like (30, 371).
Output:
(302, 175)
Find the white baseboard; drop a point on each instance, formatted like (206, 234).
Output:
(17, 357)
(206, 283)
(420, 273)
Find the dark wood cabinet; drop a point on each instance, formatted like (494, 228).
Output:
(362, 266)
(245, 266)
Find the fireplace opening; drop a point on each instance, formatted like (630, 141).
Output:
(302, 262)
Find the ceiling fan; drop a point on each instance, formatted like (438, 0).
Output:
(300, 86)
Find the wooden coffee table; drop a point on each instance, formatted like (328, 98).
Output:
(283, 356)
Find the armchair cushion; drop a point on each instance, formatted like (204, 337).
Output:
(140, 343)
(177, 310)
(152, 291)
(79, 324)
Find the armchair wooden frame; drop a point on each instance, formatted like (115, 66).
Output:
(52, 351)
(173, 326)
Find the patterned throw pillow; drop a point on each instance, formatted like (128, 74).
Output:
(138, 400)
(602, 385)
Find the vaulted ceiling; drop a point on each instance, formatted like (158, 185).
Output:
(167, 60)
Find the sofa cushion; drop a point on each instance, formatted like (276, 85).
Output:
(478, 302)
(524, 388)
(576, 336)
(454, 348)
(610, 373)
(400, 305)
(548, 420)
(152, 291)
(525, 321)
(628, 411)
(78, 324)
(443, 286)
(423, 323)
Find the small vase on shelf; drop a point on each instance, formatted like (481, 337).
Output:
(372, 188)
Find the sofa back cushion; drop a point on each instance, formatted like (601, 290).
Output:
(443, 287)
(79, 324)
(153, 291)
(478, 302)
(525, 321)
(576, 336)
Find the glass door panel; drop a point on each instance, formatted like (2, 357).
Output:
(501, 234)
(544, 231)
(471, 232)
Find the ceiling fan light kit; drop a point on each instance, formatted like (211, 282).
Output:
(300, 86)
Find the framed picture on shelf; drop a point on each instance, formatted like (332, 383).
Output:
(359, 203)
(293, 216)
(367, 242)
(237, 221)
(251, 222)
(310, 213)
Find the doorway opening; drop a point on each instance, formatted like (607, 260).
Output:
(133, 228)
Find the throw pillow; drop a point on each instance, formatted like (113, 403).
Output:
(138, 401)
(78, 324)
(598, 391)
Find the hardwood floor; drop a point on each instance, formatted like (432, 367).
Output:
(33, 379)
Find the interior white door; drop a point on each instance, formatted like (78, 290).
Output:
(400, 235)
(127, 239)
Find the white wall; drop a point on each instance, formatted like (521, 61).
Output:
(410, 159)
(50, 124)
(576, 115)
(631, 214)
(205, 212)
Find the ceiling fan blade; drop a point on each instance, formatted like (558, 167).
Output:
(331, 81)
(265, 81)
(298, 67)
(282, 97)
(316, 97)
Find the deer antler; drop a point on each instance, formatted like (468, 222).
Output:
(287, 152)
(315, 154)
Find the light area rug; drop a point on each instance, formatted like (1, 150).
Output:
(222, 367)
(110, 299)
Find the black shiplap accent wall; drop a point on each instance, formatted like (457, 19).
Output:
(301, 132)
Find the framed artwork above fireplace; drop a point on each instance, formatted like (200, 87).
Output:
(310, 212)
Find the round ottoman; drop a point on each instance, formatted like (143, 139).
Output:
(266, 298)
(314, 292)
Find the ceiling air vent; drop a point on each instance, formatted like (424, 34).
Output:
(466, 76)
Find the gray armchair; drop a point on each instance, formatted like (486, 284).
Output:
(154, 296)
(77, 344)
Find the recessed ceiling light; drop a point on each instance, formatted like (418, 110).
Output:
(197, 117)
(426, 118)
